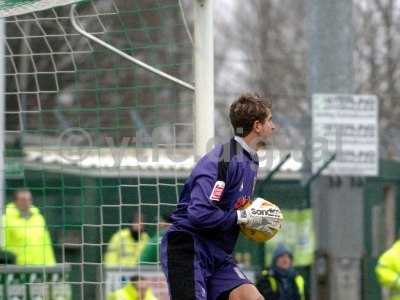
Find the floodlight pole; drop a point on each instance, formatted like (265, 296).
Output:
(204, 75)
(337, 202)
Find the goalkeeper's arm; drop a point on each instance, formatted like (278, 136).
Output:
(204, 212)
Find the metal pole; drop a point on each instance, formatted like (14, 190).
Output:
(276, 169)
(204, 75)
(2, 118)
(314, 176)
(124, 55)
(337, 203)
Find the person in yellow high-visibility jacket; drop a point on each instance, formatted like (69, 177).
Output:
(25, 233)
(136, 289)
(126, 245)
(388, 270)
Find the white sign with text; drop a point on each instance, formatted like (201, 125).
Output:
(348, 126)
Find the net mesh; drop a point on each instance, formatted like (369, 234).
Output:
(19, 7)
(99, 142)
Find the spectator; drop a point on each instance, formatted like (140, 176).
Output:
(151, 252)
(136, 289)
(25, 232)
(126, 245)
(388, 271)
(281, 281)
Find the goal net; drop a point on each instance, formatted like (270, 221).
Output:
(101, 143)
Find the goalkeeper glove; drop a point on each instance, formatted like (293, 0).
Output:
(261, 215)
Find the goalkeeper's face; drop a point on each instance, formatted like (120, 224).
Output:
(268, 128)
(264, 130)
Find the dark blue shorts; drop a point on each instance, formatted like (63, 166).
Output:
(191, 270)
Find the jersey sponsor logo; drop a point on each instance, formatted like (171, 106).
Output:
(217, 191)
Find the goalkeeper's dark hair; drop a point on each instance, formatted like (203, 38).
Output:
(246, 110)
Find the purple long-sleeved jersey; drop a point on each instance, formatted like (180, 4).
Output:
(206, 206)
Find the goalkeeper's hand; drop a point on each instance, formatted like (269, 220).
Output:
(261, 217)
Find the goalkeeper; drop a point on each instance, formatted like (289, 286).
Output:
(196, 252)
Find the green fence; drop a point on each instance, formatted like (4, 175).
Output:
(82, 213)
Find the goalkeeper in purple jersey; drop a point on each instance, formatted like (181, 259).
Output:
(196, 252)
